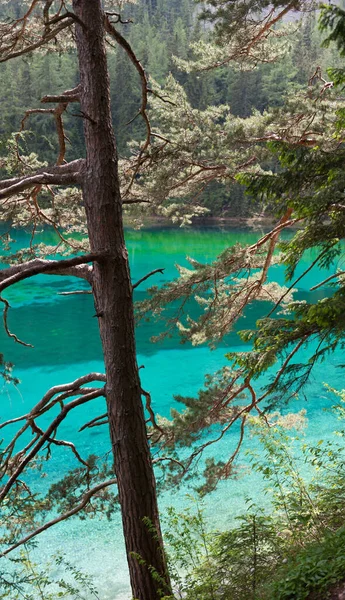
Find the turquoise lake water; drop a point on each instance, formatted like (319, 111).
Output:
(66, 345)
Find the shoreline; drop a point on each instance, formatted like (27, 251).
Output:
(253, 222)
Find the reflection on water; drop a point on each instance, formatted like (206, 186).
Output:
(63, 329)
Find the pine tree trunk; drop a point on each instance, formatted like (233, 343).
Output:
(113, 299)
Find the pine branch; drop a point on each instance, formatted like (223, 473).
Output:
(46, 37)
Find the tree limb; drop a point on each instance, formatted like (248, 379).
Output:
(315, 287)
(67, 96)
(9, 333)
(53, 391)
(148, 407)
(75, 293)
(47, 434)
(84, 501)
(67, 15)
(109, 27)
(71, 168)
(55, 395)
(95, 422)
(146, 277)
(47, 177)
(37, 266)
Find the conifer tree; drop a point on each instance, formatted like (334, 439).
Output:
(305, 139)
(42, 25)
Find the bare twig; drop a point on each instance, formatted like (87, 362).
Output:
(150, 411)
(169, 459)
(135, 285)
(75, 293)
(339, 274)
(95, 422)
(9, 333)
(296, 281)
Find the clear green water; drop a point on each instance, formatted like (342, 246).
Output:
(66, 345)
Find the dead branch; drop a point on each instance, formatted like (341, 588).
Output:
(140, 69)
(67, 15)
(45, 178)
(109, 27)
(54, 441)
(148, 407)
(11, 187)
(136, 201)
(46, 8)
(67, 96)
(72, 168)
(55, 395)
(95, 422)
(8, 332)
(118, 18)
(135, 285)
(84, 501)
(338, 274)
(63, 101)
(73, 386)
(75, 293)
(45, 437)
(12, 275)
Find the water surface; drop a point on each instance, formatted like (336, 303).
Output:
(64, 333)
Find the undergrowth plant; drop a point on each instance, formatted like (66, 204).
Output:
(24, 579)
(292, 550)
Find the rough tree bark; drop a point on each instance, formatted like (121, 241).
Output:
(113, 299)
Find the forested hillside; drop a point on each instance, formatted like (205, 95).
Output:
(159, 31)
